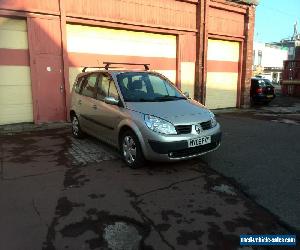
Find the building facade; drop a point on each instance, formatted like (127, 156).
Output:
(291, 72)
(204, 47)
(291, 76)
(268, 60)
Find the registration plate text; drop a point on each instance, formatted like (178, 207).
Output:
(199, 141)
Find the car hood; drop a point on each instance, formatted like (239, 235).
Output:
(177, 112)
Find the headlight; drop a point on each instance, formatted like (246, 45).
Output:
(213, 119)
(159, 125)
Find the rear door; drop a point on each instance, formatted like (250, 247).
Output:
(107, 116)
(76, 100)
(86, 103)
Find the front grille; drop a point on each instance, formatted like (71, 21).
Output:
(206, 125)
(193, 151)
(184, 129)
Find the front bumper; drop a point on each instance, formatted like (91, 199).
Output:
(175, 150)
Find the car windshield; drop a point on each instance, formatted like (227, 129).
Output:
(147, 87)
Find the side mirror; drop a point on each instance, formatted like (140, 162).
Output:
(111, 100)
(187, 94)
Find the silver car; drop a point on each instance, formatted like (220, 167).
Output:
(143, 115)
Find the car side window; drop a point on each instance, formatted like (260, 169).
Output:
(103, 87)
(89, 86)
(78, 84)
(113, 92)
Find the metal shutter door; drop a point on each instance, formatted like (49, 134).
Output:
(222, 74)
(90, 46)
(15, 82)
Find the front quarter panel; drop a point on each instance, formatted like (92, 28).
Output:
(133, 118)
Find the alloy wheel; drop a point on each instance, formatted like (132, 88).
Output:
(129, 149)
(75, 126)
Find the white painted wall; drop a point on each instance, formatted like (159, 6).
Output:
(271, 56)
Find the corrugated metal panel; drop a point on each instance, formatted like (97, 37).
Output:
(155, 12)
(188, 77)
(221, 90)
(96, 40)
(225, 22)
(15, 94)
(31, 5)
(188, 59)
(223, 51)
(95, 45)
(222, 74)
(47, 33)
(188, 47)
(13, 33)
(15, 82)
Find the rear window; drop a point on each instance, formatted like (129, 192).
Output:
(261, 83)
(267, 82)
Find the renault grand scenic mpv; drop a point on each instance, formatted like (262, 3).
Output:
(142, 114)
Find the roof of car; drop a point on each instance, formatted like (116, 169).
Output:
(259, 78)
(117, 71)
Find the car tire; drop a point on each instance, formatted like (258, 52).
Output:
(76, 129)
(131, 150)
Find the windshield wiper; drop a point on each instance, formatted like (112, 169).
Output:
(169, 98)
(141, 100)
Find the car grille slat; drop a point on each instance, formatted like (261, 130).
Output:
(183, 129)
(206, 125)
(187, 129)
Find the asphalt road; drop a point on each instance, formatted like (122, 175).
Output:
(61, 193)
(261, 152)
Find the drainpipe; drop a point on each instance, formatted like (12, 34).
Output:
(201, 50)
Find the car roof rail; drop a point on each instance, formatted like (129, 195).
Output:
(97, 67)
(107, 64)
(85, 68)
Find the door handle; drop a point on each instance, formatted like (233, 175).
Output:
(79, 102)
(94, 106)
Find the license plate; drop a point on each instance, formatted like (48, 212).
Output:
(199, 141)
(269, 96)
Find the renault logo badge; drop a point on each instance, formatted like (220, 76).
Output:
(198, 129)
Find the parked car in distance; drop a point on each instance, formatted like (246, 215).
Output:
(261, 91)
(143, 115)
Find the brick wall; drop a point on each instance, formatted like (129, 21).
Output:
(297, 53)
(247, 59)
